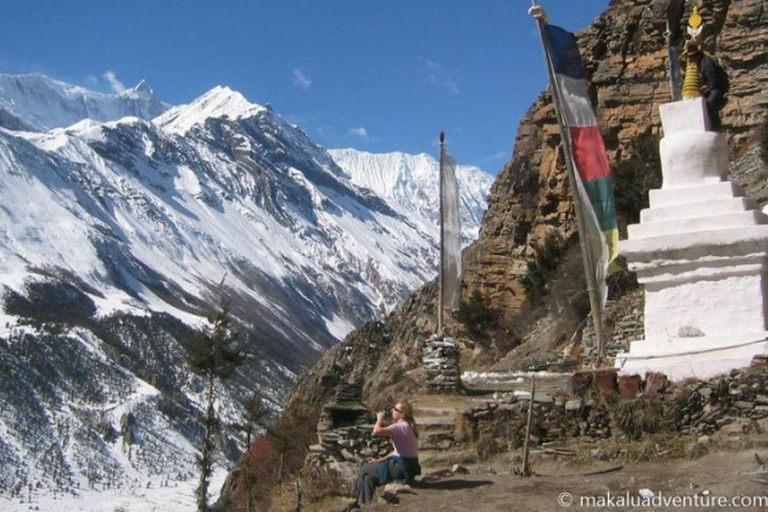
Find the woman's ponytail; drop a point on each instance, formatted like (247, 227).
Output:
(408, 413)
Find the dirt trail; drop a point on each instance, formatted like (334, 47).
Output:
(491, 488)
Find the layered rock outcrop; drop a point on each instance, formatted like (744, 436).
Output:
(625, 52)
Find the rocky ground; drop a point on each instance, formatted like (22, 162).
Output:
(699, 460)
(485, 490)
(732, 468)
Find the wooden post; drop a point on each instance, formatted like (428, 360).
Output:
(440, 305)
(297, 488)
(526, 470)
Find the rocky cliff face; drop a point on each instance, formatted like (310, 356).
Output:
(625, 53)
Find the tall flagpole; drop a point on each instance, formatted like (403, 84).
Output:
(595, 304)
(442, 234)
(670, 64)
(675, 10)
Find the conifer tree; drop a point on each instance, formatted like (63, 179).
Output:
(213, 356)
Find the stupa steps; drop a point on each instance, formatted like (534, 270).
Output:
(678, 196)
(694, 210)
(706, 222)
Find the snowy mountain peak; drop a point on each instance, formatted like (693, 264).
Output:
(142, 91)
(410, 184)
(35, 102)
(221, 101)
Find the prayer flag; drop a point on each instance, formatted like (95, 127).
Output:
(450, 239)
(587, 152)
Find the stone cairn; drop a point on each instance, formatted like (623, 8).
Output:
(344, 433)
(441, 360)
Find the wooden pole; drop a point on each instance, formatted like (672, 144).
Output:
(442, 234)
(670, 64)
(526, 469)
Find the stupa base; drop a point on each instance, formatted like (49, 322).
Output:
(698, 357)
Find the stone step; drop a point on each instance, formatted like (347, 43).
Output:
(489, 387)
(432, 458)
(661, 198)
(436, 423)
(433, 412)
(436, 440)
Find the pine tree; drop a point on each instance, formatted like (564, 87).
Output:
(213, 356)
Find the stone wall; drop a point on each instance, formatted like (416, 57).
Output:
(689, 408)
(346, 448)
(623, 323)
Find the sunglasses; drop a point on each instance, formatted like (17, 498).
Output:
(396, 409)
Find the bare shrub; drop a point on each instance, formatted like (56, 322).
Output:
(321, 482)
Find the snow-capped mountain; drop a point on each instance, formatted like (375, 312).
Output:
(117, 237)
(410, 183)
(36, 102)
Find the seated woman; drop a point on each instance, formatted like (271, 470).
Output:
(401, 465)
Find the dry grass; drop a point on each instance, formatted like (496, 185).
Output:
(463, 430)
(313, 499)
(654, 447)
(606, 400)
(283, 498)
(638, 417)
(318, 483)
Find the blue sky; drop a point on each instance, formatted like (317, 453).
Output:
(378, 76)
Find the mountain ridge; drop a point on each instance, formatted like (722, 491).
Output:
(411, 182)
(146, 224)
(42, 103)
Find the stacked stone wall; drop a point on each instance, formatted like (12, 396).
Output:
(692, 407)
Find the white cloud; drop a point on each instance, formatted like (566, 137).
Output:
(439, 76)
(496, 156)
(116, 85)
(359, 132)
(301, 80)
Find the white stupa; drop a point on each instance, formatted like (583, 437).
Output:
(700, 252)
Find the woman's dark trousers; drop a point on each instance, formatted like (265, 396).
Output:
(368, 480)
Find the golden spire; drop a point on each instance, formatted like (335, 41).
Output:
(691, 83)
